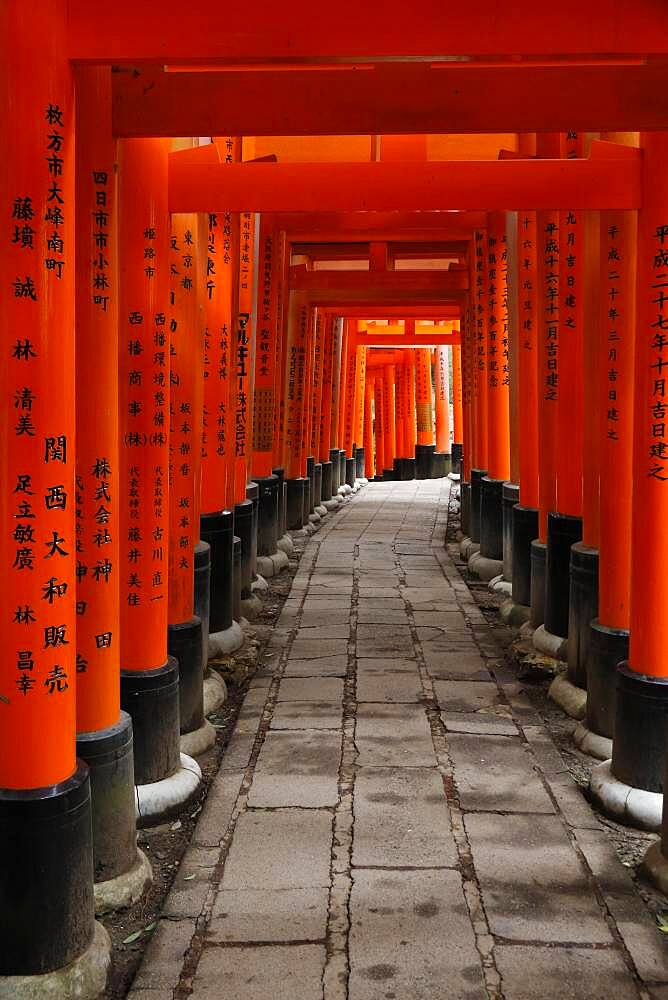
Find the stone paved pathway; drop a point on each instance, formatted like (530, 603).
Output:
(392, 821)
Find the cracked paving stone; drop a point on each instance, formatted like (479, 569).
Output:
(311, 689)
(496, 773)
(297, 769)
(274, 972)
(411, 937)
(401, 819)
(307, 715)
(380, 684)
(533, 885)
(309, 649)
(317, 666)
(535, 973)
(387, 735)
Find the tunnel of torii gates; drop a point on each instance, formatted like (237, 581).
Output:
(456, 265)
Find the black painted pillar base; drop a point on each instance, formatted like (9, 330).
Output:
(583, 608)
(237, 578)
(217, 529)
(267, 522)
(326, 492)
(441, 465)
(563, 531)
(491, 518)
(465, 509)
(317, 486)
(398, 470)
(335, 459)
(477, 476)
(243, 529)
(538, 566)
(310, 475)
(203, 586)
(407, 469)
(253, 494)
(424, 460)
(282, 500)
(350, 472)
(360, 468)
(296, 513)
(388, 476)
(608, 647)
(108, 753)
(151, 699)
(525, 530)
(457, 459)
(47, 917)
(184, 643)
(510, 495)
(639, 747)
(342, 467)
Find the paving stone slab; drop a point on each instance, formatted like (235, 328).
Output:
(384, 640)
(218, 808)
(163, 960)
(378, 616)
(310, 649)
(325, 618)
(455, 666)
(315, 689)
(319, 632)
(539, 973)
(299, 858)
(496, 773)
(317, 666)
(275, 972)
(533, 885)
(469, 696)
(401, 819)
(411, 938)
(387, 735)
(479, 723)
(237, 753)
(307, 715)
(381, 603)
(297, 769)
(399, 686)
(269, 915)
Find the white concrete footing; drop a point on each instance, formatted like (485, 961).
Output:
(565, 694)
(123, 891)
(268, 566)
(322, 510)
(332, 503)
(633, 806)
(467, 547)
(259, 584)
(315, 518)
(285, 544)
(251, 606)
(548, 644)
(499, 585)
(199, 741)
(363, 481)
(160, 800)
(215, 692)
(514, 615)
(655, 866)
(226, 642)
(83, 979)
(483, 567)
(591, 743)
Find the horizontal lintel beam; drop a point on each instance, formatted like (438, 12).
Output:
(386, 186)
(169, 32)
(442, 283)
(391, 98)
(432, 339)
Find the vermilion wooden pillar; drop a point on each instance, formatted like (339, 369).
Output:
(337, 392)
(442, 403)
(457, 409)
(425, 446)
(479, 295)
(325, 430)
(379, 427)
(525, 513)
(400, 413)
(495, 304)
(149, 678)
(411, 416)
(186, 642)
(295, 401)
(548, 325)
(642, 683)
(217, 236)
(369, 455)
(120, 871)
(48, 858)
(609, 640)
(360, 380)
(389, 420)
